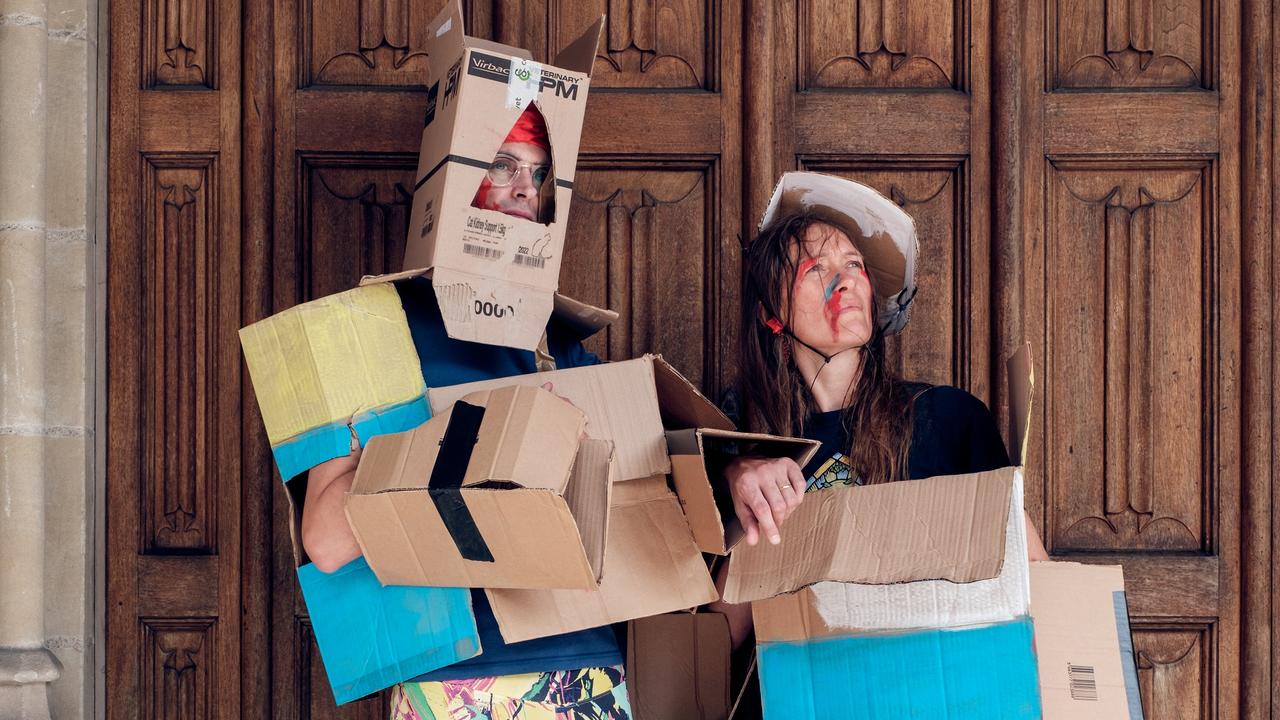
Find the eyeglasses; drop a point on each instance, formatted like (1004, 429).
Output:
(504, 169)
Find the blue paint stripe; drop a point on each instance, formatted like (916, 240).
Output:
(372, 637)
(831, 287)
(313, 447)
(1127, 660)
(987, 672)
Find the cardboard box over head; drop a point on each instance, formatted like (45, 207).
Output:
(652, 563)
(331, 370)
(495, 179)
(494, 492)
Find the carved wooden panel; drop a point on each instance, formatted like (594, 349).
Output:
(315, 698)
(179, 43)
(880, 44)
(178, 669)
(354, 215)
(1175, 672)
(641, 241)
(1130, 44)
(364, 42)
(932, 348)
(659, 44)
(180, 341)
(1130, 271)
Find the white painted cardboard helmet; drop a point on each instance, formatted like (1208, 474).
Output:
(883, 232)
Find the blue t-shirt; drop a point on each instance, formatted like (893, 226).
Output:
(446, 361)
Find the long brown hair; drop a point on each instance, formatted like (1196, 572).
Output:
(877, 413)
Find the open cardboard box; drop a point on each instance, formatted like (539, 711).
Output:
(495, 491)
(930, 574)
(652, 562)
(495, 275)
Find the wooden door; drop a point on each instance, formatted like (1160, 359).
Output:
(1073, 167)
(1129, 255)
(174, 524)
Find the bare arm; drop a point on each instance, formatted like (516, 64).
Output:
(326, 534)
(1035, 546)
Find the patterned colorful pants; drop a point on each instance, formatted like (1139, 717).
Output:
(598, 693)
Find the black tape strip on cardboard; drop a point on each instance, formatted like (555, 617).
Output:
(446, 481)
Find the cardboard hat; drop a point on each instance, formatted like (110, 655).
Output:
(883, 232)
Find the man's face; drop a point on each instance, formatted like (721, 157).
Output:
(520, 197)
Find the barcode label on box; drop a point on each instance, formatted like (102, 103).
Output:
(1084, 686)
(529, 261)
(481, 251)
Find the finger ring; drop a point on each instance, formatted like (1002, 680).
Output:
(784, 487)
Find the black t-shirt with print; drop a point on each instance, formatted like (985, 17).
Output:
(953, 432)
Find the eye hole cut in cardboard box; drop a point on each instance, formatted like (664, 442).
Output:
(653, 563)
(493, 492)
(495, 275)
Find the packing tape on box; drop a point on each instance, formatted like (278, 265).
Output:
(523, 83)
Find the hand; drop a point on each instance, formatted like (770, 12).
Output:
(765, 491)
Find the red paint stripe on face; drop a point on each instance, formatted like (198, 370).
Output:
(805, 266)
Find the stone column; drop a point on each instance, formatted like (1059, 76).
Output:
(26, 666)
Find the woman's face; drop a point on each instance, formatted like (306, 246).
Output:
(831, 292)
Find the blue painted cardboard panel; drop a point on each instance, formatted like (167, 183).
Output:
(985, 673)
(372, 637)
(315, 446)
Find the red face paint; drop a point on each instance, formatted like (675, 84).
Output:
(805, 266)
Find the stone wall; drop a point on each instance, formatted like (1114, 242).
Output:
(48, 188)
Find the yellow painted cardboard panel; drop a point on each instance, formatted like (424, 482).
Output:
(325, 361)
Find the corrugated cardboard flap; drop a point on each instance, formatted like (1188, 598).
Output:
(582, 319)
(651, 566)
(528, 438)
(828, 609)
(943, 528)
(617, 399)
(580, 55)
(678, 666)
(322, 365)
(698, 457)
(681, 404)
(491, 310)
(588, 495)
